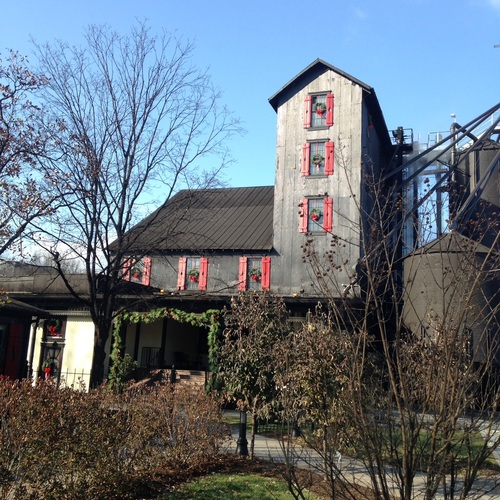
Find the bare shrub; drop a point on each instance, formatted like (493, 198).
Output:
(173, 426)
(422, 386)
(61, 443)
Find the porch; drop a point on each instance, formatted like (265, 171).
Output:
(159, 346)
(145, 377)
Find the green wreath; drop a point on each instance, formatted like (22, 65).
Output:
(52, 325)
(317, 159)
(56, 323)
(320, 108)
(49, 363)
(315, 214)
(193, 274)
(255, 274)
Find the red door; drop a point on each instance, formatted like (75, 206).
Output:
(14, 350)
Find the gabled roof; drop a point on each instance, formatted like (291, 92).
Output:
(208, 220)
(313, 71)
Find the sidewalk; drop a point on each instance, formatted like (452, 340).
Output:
(352, 471)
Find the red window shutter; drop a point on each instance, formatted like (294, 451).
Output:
(329, 160)
(306, 159)
(307, 111)
(181, 275)
(127, 264)
(146, 271)
(329, 110)
(328, 215)
(203, 273)
(242, 274)
(266, 273)
(304, 213)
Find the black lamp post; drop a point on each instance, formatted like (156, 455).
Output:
(242, 443)
(54, 351)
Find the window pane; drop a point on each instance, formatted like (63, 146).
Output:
(136, 270)
(315, 211)
(192, 273)
(318, 111)
(53, 327)
(317, 166)
(254, 271)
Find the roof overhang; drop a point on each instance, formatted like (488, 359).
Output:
(315, 69)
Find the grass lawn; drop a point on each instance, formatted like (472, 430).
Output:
(459, 449)
(229, 486)
(233, 420)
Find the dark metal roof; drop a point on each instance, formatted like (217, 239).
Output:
(10, 268)
(10, 306)
(208, 220)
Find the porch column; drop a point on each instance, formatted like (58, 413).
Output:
(161, 355)
(137, 339)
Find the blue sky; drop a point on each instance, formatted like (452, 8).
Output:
(426, 59)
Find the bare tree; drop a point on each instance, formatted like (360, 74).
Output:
(423, 418)
(25, 195)
(138, 117)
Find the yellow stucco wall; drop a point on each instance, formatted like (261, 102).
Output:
(77, 350)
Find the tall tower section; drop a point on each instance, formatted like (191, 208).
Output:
(332, 142)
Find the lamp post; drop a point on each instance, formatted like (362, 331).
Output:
(242, 443)
(54, 351)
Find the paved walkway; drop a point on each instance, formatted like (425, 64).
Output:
(353, 471)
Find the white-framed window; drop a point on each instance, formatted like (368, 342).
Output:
(317, 158)
(137, 270)
(192, 273)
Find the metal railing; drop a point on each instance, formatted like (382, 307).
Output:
(76, 379)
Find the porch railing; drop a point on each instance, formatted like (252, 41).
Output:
(77, 379)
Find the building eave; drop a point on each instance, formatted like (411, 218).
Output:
(316, 67)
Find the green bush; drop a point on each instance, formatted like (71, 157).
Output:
(62, 443)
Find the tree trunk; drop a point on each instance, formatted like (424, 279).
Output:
(99, 356)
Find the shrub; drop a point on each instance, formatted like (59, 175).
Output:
(174, 426)
(61, 443)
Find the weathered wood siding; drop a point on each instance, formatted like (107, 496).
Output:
(222, 271)
(357, 143)
(290, 274)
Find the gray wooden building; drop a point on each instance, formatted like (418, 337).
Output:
(331, 134)
(334, 156)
